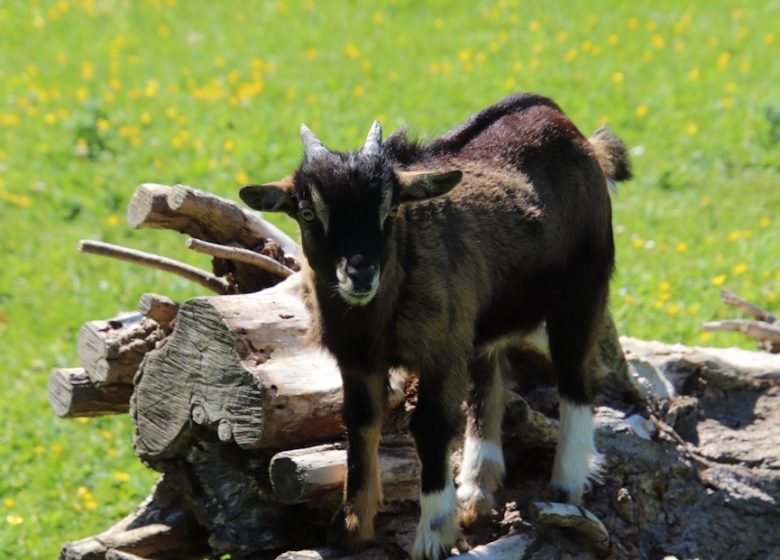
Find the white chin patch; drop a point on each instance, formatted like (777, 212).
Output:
(356, 299)
(576, 458)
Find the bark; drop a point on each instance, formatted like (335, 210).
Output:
(73, 394)
(161, 309)
(111, 350)
(158, 527)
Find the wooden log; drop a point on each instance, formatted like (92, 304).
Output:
(73, 394)
(512, 547)
(159, 308)
(304, 475)
(569, 516)
(208, 217)
(158, 527)
(110, 350)
(241, 255)
(114, 554)
(238, 364)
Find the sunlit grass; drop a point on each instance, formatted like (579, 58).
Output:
(99, 96)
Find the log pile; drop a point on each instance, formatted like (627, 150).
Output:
(242, 420)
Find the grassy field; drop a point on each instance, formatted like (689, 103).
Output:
(98, 96)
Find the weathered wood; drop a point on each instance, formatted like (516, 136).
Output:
(158, 527)
(241, 255)
(758, 330)
(512, 547)
(238, 363)
(568, 516)
(159, 308)
(111, 350)
(732, 299)
(73, 394)
(114, 554)
(191, 273)
(208, 217)
(303, 475)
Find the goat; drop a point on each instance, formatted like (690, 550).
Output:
(433, 257)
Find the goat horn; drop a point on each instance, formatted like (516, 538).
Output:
(373, 143)
(312, 146)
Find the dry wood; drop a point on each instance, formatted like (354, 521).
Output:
(573, 517)
(111, 350)
(201, 277)
(512, 547)
(241, 255)
(73, 394)
(758, 330)
(158, 527)
(159, 308)
(303, 475)
(205, 216)
(730, 298)
(114, 554)
(238, 364)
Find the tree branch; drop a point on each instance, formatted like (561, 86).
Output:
(732, 299)
(205, 279)
(241, 255)
(758, 330)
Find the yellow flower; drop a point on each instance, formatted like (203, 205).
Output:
(358, 90)
(312, 53)
(378, 18)
(438, 23)
(534, 25)
(633, 23)
(764, 221)
(727, 102)
(242, 177)
(121, 476)
(14, 519)
(617, 77)
(739, 268)
(90, 504)
(769, 39)
(9, 502)
(613, 40)
(509, 84)
(718, 280)
(112, 453)
(229, 145)
(705, 336)
(87, 70)
(673, 309)
(665, 296)
(561, 36)
(112, 220)
(39, 450)
(664, 286)
(146, 118)
(164, 30)
(629, 299)
(693, 74)
(691, 129)
(82, 491)
(219, 61)
(351, 51)
(681, 247)
(641, 111)
(570, 55)
(638, 243)
(734, 235)
(659, 42)
(777, 275)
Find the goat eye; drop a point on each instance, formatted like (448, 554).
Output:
(307, 214)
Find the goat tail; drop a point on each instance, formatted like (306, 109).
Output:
(612, 154)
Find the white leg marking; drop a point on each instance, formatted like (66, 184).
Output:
(438, 528)
(481, 472)
(576, 458)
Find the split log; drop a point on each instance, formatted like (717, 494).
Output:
(573, 517)
(73, 394)
(303, 475)
(111, 350)
(158, 527)
(240, 365)
(161, 309)
(217, 220)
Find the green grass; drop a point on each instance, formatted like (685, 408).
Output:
(98, 96)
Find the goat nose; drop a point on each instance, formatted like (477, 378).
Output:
(362, 275)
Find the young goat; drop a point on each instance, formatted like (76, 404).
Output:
(433, 258)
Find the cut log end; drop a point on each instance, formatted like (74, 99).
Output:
(73, 394)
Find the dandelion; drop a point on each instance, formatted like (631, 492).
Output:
(739, 268)
(638, 243)
(629, 299)
(229, 145)
(617, 77)
(82, 492)
(311, 53)
(90, 504)
(112, 220)
(633, 23)
(647, 56)
(146, 118)
(351, 51)
(723, 60)
(438, 23)
(734, 235)
(727, 102)
(777, 275)
(378, 18)
(744, 66)
(679, 47)
(570, 55)
(641, 111)
(509, 84)
(534, 25)
(718, 280)
(219, 61)
(561, 36)
(14, 519)
(39, 450)
(242, 177)
(681, 247)
(664, 286)
(613, 40)
(769, 39)
(673, 309)
(358, 90)
(9, 502)
(659, 43)
(691, 129)
(163, 30)
(763, 221)
(87, 70)
(704, 336)
(112, 453)
(121, 476)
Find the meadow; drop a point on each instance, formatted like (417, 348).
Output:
(101, 95)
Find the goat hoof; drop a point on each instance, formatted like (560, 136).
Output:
(347, 534)
(473, 502)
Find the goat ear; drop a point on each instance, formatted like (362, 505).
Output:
(422, 185)
(272, 197)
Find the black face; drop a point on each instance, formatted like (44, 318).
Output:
(346, 205)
